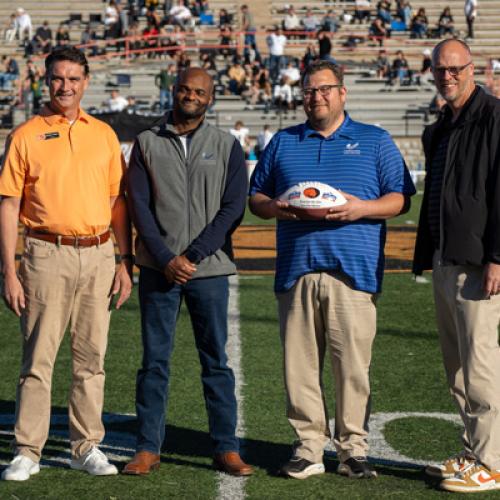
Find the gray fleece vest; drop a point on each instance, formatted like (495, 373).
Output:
(187, 192)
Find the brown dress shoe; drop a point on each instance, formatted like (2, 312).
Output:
(143, 463)
(231, 463)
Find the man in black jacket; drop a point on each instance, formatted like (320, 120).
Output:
(459, 239)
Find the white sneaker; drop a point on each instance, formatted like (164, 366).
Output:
(95, 462)
(20, 469)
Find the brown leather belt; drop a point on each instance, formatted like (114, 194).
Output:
(76, 241)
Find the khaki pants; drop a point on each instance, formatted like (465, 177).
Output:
(322, 311)
(468, 332)
(63, 285)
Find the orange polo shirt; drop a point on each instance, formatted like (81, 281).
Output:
(65, 173)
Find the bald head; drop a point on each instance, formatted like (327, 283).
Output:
(199, 75)
(193, 94)
(452, 45)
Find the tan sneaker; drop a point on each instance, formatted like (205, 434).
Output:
(451, 466)
(473, 479)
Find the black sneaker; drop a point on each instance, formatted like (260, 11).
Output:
(300, 468)
(356, 467)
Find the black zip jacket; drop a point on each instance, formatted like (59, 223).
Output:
(470, 197)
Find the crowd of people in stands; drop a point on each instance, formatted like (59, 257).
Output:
(269, 82)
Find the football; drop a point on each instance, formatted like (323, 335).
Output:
(312, 200)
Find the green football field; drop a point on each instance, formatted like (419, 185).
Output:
(412, 412)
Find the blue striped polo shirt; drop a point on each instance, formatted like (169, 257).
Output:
(359, 159)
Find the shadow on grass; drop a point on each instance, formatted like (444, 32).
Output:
(183, 446)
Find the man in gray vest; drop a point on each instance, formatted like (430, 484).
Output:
(187, 190)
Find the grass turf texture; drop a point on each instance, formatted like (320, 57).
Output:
(407, 375)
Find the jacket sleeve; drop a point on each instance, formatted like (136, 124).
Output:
(140, 201)
(230, 213)
(492, 240)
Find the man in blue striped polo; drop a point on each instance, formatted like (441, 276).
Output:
(329, 271)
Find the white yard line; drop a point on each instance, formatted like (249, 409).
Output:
(230, 487)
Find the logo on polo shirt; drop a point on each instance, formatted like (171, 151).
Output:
(207, 156)
(50, 135)
(352, 149)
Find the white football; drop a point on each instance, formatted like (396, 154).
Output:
(312, 200)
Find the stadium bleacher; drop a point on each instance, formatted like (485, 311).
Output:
(403, 110)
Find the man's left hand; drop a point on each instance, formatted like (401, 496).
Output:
(354, 209)
(122, 283)
(491, 279)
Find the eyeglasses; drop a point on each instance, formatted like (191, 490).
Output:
(452, 70)
(324, 90)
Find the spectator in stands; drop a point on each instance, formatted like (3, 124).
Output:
(403, 11)
(225, 18)
(62, 36)
(132, 106)
(152, 17)
(425, 75)
(33, 86)
(384, 12)
(437, 104)
(309, 56)
(291, 72)
(10, 73)
(183, 61)
(361, 11)
(207, 62)
(11, 29)
(111, 20)
(263, 139)
(226, 42)
(165, 81)
(115, 102)
(260, 90)
(150, 37)
(124, 19)
(241, 133)
(330, 22)
(470, 11)
(249, 29)
(181, 15)
(88, 37)
(24, 28)
(276, 42)
(378, 31)
(283, 95)
(446, 24)
(400, 69)
(310, 22)
(42, 41)
(237, 78)
(291, 22)
(325, 46)
(419, 24)
(383, 65)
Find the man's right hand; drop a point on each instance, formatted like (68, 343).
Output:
(14, 293)
(279, 209)
(179, 270)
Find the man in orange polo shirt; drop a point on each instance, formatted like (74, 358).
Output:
(62, 178)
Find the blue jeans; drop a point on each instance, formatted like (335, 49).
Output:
(250, 42)
(160, 301)
(275, 64)
(166, 99)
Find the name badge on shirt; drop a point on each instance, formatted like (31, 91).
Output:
(50, 135)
